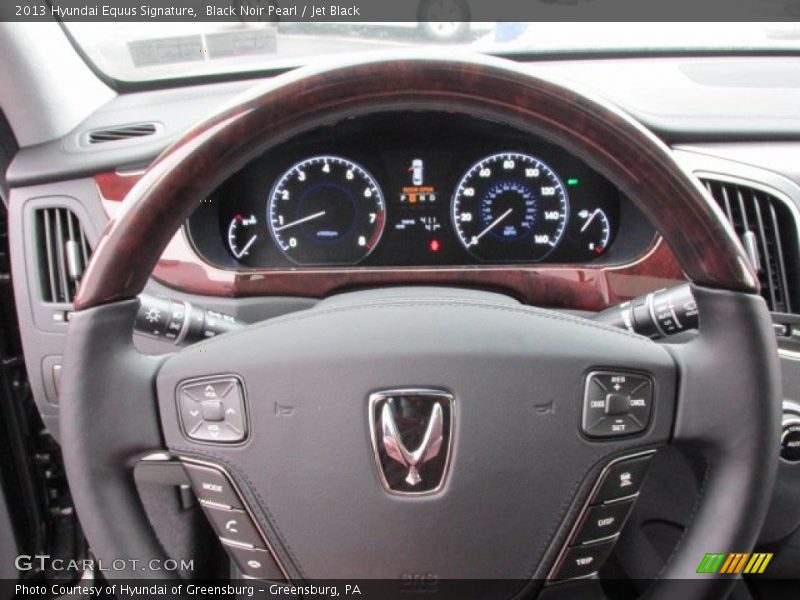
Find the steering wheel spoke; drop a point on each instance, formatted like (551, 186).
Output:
(355, 423)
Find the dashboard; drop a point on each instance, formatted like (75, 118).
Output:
(415, 189)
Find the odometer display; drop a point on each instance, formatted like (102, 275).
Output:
(326, 210)
(510, 207)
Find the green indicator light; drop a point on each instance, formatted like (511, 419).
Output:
(572, 181)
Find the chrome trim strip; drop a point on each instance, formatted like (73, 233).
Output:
(621, 499)
(792, 408)
(607, 538)
(788, 354)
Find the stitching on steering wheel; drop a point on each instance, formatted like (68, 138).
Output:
(412, 302)
(697, 503)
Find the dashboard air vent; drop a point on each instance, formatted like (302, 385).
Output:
(63, 252)
(125, 132)
(768, 230)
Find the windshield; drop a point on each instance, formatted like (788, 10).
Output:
(151, 51)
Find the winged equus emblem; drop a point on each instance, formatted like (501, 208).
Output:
(411, 431)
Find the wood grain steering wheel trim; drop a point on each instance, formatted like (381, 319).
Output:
(607, 139)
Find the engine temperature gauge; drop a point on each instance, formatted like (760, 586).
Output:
(243, 233)
(595, 230)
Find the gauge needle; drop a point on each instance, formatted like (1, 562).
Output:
(247, 246)
(590, 219)
(476, 238)
(303, 220)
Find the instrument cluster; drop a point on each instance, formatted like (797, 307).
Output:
(415, 189)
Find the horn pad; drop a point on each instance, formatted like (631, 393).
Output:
(517, 465)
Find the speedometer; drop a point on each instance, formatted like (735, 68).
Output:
(326, 210)
(510, 207)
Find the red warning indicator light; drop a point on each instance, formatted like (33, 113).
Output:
(434, 245)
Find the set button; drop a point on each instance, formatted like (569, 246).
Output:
(616, 403)
(212, 410)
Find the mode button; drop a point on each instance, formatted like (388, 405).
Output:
(211, 485)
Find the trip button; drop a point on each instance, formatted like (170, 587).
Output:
(211, 485)
(603, 521)
(255, 563)
(582, 561)
(233, 525)
(622, 479)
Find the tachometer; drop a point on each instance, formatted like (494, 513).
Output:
(326, 210)
(510, 207)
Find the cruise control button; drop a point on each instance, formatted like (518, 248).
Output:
(581, 561)
(616, 404)
(602, 521)
(233, 525)
(255, 563)
(211, 485)
(622, 479)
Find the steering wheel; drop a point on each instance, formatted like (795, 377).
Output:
(503, 465)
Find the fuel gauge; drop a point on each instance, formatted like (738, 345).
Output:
(595, 230)
(243, 233)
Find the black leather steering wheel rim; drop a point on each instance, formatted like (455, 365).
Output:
(99, 405)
